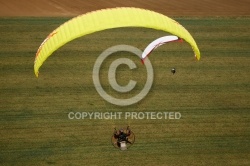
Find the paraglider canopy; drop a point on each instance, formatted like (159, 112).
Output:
(106, 19)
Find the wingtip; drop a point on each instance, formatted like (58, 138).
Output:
(197, 57)
(36, 73)
(142, 61)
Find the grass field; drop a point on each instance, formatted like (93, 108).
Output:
(212, 95)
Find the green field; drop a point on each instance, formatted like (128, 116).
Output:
(212, 95)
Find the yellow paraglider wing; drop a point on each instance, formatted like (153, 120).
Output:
(106, 19)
